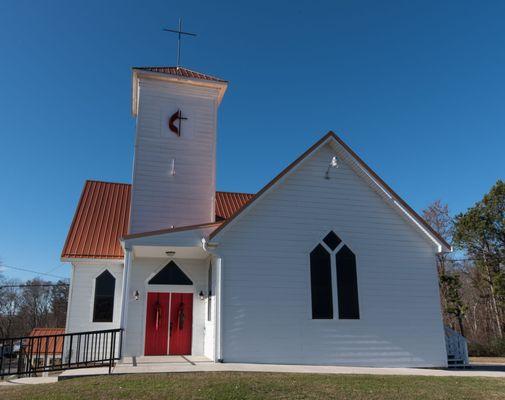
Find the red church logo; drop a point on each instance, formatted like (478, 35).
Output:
(171, 122)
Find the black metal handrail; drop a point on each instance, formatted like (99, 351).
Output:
(28, 355)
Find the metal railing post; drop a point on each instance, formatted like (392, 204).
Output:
(70, 351)
(111, 355)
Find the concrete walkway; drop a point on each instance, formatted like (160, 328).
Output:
(181, 364)
(29, 381)
(188, 365)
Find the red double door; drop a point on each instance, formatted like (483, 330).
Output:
(169, 319)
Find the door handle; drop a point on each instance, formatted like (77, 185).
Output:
(171, 326)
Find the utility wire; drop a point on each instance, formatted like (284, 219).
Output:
(32, 271)
(23, 286)
(55, 268)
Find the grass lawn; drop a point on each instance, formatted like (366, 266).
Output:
(225, 385)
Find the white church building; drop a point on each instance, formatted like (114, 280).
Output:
(325, 265)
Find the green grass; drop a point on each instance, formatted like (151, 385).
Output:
(226, 386)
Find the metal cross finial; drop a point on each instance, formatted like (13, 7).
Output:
(179, 33)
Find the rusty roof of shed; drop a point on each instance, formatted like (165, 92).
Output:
(49, 342)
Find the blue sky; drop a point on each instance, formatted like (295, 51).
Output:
(416, 88)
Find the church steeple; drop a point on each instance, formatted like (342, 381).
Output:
(180, 72)
(175, 147)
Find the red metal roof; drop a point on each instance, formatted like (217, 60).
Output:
(54, 343)
(181, 71)
(103, 215)
(228, 203)
(101, 218)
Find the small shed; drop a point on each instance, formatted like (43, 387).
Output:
(44, 346)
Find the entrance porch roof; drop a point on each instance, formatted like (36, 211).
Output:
(181, 242)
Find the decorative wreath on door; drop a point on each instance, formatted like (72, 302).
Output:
(181, 316)
(158, 314)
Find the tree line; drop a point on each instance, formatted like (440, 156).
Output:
(35, 303)
(472, 277)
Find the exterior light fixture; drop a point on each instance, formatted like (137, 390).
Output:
(170, 253)
(333, 164)
(136, 295)
(202, 295)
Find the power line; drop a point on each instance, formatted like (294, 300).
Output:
(55, 268)
(32, 271)
(23, 286)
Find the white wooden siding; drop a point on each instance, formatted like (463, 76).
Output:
(266, 287)
(80, 309)
(144, 269)
(159, 199)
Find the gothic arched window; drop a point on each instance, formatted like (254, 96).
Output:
(333, 253)
(347, 284)
(103, 308)
(320, 283)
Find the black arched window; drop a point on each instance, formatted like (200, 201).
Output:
(347, 284)
(320, 283)
(103, 308)
(333, 250)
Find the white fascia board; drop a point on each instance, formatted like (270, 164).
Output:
(94, 261)
(389, 197)
(338, 148)
(188, 238)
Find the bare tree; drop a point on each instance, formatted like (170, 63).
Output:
(59, 301)
(438, 216)
(35, 303)
(9, 306)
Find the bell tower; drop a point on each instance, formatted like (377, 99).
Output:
(174, 167)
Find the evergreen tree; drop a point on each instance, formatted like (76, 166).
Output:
(480, 232)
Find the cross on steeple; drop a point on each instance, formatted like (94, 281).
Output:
(179, 33)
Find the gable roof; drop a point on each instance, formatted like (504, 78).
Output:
(182, 72)
(425, 227)
(103, 214)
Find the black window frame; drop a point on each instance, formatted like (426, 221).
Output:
(347, 284)
(103, 298)
(321, 285)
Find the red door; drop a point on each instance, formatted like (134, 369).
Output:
(181, 321)
(158, 306)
